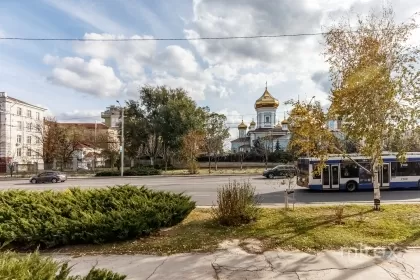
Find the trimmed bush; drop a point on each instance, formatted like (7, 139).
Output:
(29, 219)
(33, 266)
(144, 171)
(236, 204)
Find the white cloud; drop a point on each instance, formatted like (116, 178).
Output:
(195, 88)
(88, 12)
(91, 77)
(130, 56)
(80, 116)
(177, 61)
(235, 70)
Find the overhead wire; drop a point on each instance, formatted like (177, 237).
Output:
(161, 39)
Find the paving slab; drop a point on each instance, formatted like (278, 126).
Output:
(234, 263)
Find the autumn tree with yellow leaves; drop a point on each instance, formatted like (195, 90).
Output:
(375, 89)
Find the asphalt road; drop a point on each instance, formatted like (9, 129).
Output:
(203, 189)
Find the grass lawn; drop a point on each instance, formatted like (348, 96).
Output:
(219, 171)
(305, 228)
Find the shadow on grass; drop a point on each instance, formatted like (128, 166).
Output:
(303, 225)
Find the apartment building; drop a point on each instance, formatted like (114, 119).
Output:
(21, 126)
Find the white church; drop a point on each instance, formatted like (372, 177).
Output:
(267, 127)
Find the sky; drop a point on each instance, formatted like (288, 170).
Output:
(76, 81)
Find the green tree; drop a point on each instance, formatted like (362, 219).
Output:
(156, 123)
(375, 83)
(215, 133)
(179, 116)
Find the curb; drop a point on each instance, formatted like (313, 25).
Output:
(324, 204)
(147, 176)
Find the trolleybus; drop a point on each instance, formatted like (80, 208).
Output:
(341, 173)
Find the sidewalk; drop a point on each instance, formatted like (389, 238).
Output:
(236, 264)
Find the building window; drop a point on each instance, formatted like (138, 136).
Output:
(38, 116)
(19, 125)
(28, 140)
(19, 139)
(38, 140)
(29, 126)
(29, 113)
(28, 152)
(19, 152)
(19, 111)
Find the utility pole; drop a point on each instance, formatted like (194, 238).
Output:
(122, 142)
(94, 148)
(122, 139)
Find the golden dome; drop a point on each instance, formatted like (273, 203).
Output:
(252, 123)
(284, 122)
(242, 125)
(278, 124)
(266, 101)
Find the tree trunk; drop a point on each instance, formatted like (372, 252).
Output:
(209, 163)
(266, 160)
(165, 156)
(242, 160)
(152, 161)
(376, 189)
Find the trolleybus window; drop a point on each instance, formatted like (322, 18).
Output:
(316, 174)
(349, 170)
(408, 169)
(303, 166)
(364, 176)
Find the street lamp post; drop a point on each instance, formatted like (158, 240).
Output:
(307, 138)
(122, 139)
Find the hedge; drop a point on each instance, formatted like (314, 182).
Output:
(131, 172)
(33, 266)
(48, 219)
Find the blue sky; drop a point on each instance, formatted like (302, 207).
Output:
(76, 81)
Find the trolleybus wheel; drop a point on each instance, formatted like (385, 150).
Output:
(351, 186)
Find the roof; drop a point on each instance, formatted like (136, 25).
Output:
(278, 129)
(266, 100)
(242, 139)
(87, 125)
(242, 125)
(262, 129)
(24, 103)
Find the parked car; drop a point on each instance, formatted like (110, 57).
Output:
(283, 170)
(49, 177)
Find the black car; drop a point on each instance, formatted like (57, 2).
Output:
(281, 171)
(49, 177)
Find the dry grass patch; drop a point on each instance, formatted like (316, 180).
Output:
(305, 228)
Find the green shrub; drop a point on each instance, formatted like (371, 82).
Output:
(47, 219)
(15, 266)
(143, 171)
(236, 204)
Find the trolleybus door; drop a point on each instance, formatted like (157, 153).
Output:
(384, 175)
(331, 177)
